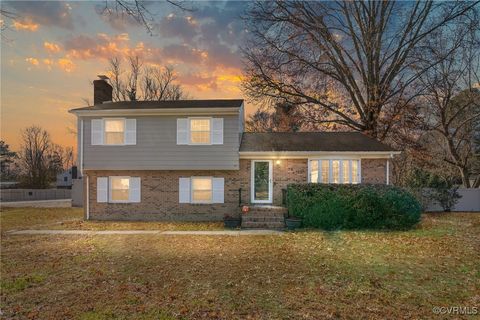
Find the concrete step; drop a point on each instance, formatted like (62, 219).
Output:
(267, 211)
(263, 225)
(267, 208)
(258, 218)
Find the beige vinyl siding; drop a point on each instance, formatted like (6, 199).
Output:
(157, 148)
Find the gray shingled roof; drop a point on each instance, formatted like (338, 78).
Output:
(310, 141)
(226, 103)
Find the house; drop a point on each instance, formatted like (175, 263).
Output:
(191, 160)
(65, 178)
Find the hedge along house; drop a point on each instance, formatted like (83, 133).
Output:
(191, 160)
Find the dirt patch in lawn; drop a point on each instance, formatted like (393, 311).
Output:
(308, 275)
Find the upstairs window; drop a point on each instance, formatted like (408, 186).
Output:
(114, 131)
(334, 171)
(200, 131)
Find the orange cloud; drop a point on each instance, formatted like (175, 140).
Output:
(48, 62)
(51, 47)
(104, 46)
(26, 25)
(66, 64)
(33, 61)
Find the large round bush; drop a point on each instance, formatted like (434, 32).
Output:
(333, 207)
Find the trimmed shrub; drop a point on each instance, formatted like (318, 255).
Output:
(340, 206)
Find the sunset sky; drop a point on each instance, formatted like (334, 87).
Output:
(53, 50)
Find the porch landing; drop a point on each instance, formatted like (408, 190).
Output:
(264, 217)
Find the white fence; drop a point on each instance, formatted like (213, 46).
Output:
(470, 201)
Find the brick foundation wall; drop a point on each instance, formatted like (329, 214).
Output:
(159, 191)
(374, 171)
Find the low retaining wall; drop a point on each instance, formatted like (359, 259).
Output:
(9, 195)
(470, 201)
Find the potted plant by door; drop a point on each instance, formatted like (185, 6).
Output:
(232, 222)
(293, 222)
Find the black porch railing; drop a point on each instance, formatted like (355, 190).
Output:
(239, 197)
(284, 197)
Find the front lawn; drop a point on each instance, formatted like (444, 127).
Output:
(72, 219)
(309, 275)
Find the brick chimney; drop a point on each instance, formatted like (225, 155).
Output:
(102, 91)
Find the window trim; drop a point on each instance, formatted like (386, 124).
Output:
(124, 132)
(191, 190)
(190, 143)
(341, 159)
(110, 200)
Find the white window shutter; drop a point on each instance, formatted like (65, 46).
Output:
(97, 132)
(217, 131)
(135, 189)
(131, 131)
(218, 190)
(184, 190)
(102, 189)
(182, 131)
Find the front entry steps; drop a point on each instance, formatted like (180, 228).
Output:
(264, 217)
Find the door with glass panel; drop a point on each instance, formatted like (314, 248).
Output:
(261, 181)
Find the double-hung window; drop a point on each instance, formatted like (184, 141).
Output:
(114, 131)
(119, 189)
(201, 190)
(334, 171)
(200, 131)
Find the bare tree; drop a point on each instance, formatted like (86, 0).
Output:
(139, 10)
(133, 75)
(151, 83)
(40, 159)
(284, 118)
(115, 71)
(6, 19)
(36, 144)
(351, 61)
(450, 98)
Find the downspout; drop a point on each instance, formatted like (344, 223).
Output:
(388, 169)
(81, 147)
(87, 202)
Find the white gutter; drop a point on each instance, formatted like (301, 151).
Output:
(151, 112)
(313, 154)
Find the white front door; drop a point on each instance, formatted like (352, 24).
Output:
(261, 181)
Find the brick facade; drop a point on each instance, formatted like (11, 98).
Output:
(374, 171)
(159, 191)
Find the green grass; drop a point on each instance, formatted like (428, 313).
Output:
(307, 275)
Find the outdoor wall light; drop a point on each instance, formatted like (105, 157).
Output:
(278, 162)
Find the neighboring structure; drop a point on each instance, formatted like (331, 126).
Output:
(191, 160)
(65, 179)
